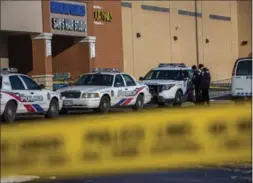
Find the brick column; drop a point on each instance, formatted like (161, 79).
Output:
(42, 59)
(90, 41)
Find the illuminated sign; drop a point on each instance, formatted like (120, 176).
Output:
(102, 16)
(67, 9)
(69, 25)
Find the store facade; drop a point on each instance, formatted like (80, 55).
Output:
(47, 37)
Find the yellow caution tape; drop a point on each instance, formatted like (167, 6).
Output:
(127, 142)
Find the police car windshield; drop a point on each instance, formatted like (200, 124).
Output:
(244, 68)
(1, 82)
(95, 80)
(164, 75)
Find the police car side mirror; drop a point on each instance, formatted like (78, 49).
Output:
(141, 78)
(42, 86)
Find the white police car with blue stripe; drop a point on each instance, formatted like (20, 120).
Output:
(19, 94)
(170, 83)
(102, 89)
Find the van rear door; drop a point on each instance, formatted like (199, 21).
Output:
(242, 78)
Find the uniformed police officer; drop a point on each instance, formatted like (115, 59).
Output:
(205, 83)
(196, 78)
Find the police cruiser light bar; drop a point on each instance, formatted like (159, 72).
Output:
(106, 70)
(8, 70)
(171, 65)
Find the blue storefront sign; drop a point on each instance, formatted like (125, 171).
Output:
(67, 9)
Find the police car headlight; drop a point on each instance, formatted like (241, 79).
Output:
(167, 87)
(90, 95)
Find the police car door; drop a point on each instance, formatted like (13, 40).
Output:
(131, 89)
(117, 94)
(16, 92)
(35, 95)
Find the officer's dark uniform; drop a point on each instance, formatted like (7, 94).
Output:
(205, 84)
(196, 81)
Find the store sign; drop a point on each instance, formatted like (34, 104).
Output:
(61, 22)
(69, 25)
(67, 9)
(102, 16)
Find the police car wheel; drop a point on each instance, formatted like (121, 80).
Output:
(104, 105)
(53, 110)
(139, 104)
(10, 110)
(178, 99)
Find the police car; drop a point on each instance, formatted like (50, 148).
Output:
(170, 83)
(102, 89)
(242, 79)
(19, 94)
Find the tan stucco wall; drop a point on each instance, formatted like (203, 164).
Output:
(21, 16)
(158, 29)
(244, 27)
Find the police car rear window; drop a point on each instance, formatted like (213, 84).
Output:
(1, 79)
(244, 68)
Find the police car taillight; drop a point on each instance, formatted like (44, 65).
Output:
(105, 70)
(8, 70)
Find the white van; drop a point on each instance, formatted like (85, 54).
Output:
(242, 79)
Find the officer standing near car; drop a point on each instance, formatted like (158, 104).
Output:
(196, 81)
(205, 82)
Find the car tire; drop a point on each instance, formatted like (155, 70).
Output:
(139, 104)
(104, 106)
(63, 111)
(178, 99)
(10, 112)
(53, 110)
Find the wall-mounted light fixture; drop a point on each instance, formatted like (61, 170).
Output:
(138, 35)
(207, 41)
(175, 38)
(243, 43)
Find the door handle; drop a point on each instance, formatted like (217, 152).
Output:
(126, 89)
(31, 93)
(17, 94)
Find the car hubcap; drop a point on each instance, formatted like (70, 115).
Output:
(140, 103)
(104, 104)
(9, 113)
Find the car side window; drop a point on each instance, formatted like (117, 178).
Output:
(16, 83)
(119, 82)
(31, 85)
(129, 80)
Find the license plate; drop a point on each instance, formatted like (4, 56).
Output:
(67, 102)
